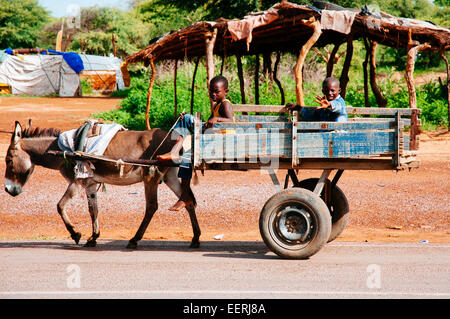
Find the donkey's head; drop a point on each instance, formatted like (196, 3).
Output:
(18, 164)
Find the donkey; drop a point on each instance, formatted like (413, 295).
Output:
(29, 146)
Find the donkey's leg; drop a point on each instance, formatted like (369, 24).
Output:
(195, 243)
(151, 205)
(174, 184)
(71, 191)
(91, 194)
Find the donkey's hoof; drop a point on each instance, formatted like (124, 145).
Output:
(90, 243)
(132, 245)
(194, 244)
(76, 237)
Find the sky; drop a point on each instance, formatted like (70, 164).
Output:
(59, 8)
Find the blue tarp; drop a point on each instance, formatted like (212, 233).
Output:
(71, 58)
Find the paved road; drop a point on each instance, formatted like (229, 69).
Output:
(221, 269)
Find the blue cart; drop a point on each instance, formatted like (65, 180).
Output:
(297, 221)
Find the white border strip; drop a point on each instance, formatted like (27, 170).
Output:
(225, 292)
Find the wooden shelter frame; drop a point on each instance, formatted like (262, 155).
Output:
(288, 27)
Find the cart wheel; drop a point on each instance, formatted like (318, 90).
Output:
(338, 206)
(295, 223)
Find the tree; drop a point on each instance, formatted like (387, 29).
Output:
(94, 34)
(20, 23)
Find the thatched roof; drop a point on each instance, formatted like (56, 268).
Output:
(285, 28)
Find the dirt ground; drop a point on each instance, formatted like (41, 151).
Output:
(385, 206)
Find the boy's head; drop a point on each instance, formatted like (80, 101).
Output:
(331, 88)
(218, 88)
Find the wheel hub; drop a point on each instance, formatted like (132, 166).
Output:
(294, 224)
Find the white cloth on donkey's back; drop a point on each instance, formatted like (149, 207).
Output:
(95, 145)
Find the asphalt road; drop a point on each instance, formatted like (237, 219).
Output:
(221, 269)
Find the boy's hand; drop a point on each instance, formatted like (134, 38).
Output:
(211, 122)
(290, 107)
(182, 115)
(322, 100)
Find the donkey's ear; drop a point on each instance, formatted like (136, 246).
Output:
(17, 134)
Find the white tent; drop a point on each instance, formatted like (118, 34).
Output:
(39, 75)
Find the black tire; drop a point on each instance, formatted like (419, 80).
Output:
(338, 206)
(295, 223)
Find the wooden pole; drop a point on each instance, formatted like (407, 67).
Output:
(210, 41)
(257, 79)
(149, 94)
(298, 70)
(332, 60)
(223, 64)
(241, 77)
(113, 40)
(175, 99)
(448, 87)
(366, 75)
(193, 85)
(413, 48)
(343, 80)
(381, 100)
(275, 78)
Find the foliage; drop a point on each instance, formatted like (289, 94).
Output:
(96, 27)
(20, 23)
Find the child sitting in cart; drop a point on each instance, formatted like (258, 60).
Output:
(332, 106)
(222, 112)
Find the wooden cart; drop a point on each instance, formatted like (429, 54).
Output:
(296, 222)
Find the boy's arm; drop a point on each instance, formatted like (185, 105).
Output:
(227, 111)
(337, 105)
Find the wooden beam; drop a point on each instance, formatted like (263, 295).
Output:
(343, 80)
(210, 41)
(350, 110)
(149, 93)
(298, 70)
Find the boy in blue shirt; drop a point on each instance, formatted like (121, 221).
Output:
(332, 106)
